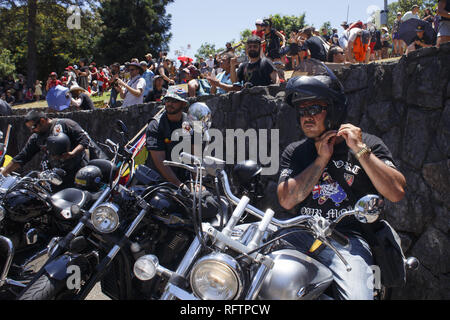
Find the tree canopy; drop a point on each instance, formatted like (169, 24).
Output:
(38, 37)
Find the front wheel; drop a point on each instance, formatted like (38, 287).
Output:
(43, 289)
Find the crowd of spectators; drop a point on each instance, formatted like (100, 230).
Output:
(268, 54)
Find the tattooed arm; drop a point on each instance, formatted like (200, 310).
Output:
(295, 190)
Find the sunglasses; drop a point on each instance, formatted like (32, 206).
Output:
(311, 110)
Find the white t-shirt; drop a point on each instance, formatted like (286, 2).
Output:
(137, 82)
(353, 33)
(409, 15)
(210, 63)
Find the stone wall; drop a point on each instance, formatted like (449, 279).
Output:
(406, 103)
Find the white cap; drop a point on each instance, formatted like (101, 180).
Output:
(258, 21)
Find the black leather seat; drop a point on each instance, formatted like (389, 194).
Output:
(67, 197)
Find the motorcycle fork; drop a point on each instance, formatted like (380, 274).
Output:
(9, 257)
(184, 267)
(102, 267)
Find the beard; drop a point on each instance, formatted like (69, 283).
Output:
(253, 54)
(173, 109)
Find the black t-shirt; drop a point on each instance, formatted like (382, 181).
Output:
(159, 138)
(424, 40)
(257, 73)
(328, 199)
(156, 95)
(273, 41)
(315, 46)
(37, 142)
(86, 102)
(83, 80)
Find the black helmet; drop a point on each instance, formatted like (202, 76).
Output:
(246, 180)
(244, 173)
(89, 178)
(58, 144)
(320, 83)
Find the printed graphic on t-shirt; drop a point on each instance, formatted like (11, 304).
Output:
(328, 189)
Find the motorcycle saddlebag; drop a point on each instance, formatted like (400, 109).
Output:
(387, 252)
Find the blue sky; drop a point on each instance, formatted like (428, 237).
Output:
(197, 21)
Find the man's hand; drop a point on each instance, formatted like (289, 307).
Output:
(213, 81)
(352, 136)
(325, 145)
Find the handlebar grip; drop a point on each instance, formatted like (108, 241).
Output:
(340, 238)
(190, 157)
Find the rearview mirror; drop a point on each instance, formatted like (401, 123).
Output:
(368, 208)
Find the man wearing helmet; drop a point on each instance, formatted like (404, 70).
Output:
(325, 173)
(63, 142)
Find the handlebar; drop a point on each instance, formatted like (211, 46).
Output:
(323, 231)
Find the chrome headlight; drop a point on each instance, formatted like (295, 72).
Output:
(105, 218)
(217, 277)
(145, 267)
(2, 213)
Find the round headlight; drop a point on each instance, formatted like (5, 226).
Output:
(145, 267)
(2, 213)
(216, 277)
(105, 218)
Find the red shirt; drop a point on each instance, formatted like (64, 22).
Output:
(262, 36)
(54, 83)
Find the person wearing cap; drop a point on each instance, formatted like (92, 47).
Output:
(385, 44)
(42, 128)
(315, 45)
(258, 71)
(80, 98)
(419, 41)
(52, 81)
(132, 92)
(159, 137)
(148, 75)
(343, 39)
(443, 11)
(259, 29)
(399, 45)
(71, 77)
(413, 14)
(273, 38)
(158, 92)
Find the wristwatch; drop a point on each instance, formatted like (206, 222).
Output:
(364, 150)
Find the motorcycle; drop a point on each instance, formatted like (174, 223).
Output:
(247, 262)
(129, 220)
(31, 215)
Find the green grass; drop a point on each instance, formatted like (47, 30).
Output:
(98, 101)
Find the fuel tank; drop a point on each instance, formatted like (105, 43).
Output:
(295, 276)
